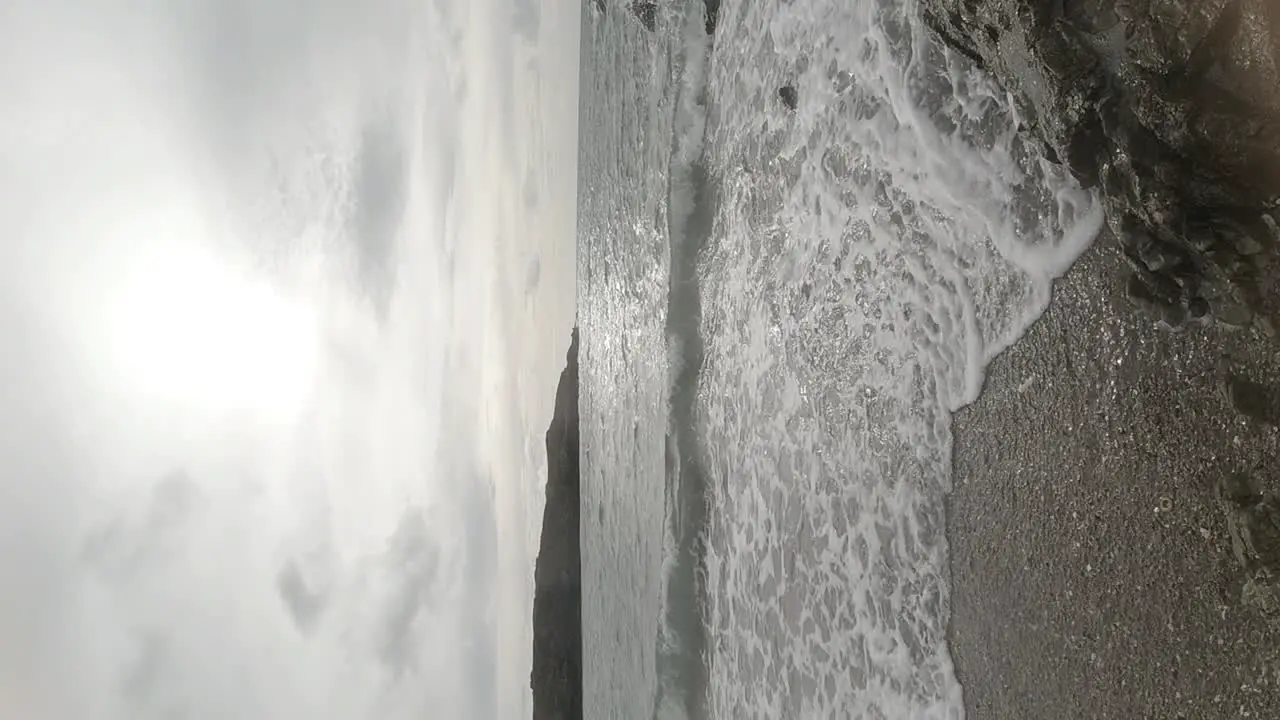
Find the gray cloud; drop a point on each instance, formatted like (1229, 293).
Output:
(526, 17)
(379, 197)
(529, 191)
(476, 508)
(532, 276)
(413, 561)
(305, 602)
(149, 531)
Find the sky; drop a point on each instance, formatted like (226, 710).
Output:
(285, 288)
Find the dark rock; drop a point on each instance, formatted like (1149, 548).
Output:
(1247, 244)
(1198, 308)
(598, 6)
(646, 12)
(789, 97)
(712, 8)
(1152, 254)
(842, 81)
(1200, 238)
(1173, 316)
(1254, 400)
(1232, 313)
(1084, 153)
(1170, 108)
(1253, 519)
(1138, 294)
(557, 600)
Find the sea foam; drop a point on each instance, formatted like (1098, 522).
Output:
(873, 250)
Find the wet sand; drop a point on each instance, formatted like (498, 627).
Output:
(1091, 568)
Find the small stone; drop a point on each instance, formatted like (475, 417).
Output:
(1246, 244)
(1111, 180)
(1253, 521)
(1083, 149)
(1198, 308)
(1266, 326)
(841, 81)
(1201, 238)
(712, 8)
(1138, 293)
(1232, 314)
(789, 97)
(1271, 227)
(646, 11)
(1155, 257)
(1174, 316)
(1252, 399)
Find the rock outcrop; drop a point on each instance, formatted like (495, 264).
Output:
(557, 602)
(1171, 108)
(646, 11)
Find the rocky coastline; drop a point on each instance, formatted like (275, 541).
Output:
(1171, 110)
(556, 678)
(1124, 560)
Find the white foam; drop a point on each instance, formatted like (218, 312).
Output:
(875, 250)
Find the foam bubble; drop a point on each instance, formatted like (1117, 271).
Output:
(876, 248)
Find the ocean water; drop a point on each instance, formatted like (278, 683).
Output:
(780, 311)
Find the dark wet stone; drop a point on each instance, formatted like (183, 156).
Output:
(841, 81)
(789, 96)
(1232, 313)
(1154, 257)
(1257, 401)
(712, 9)
(1267, 326)
(1248, 245)
(1253, 520)
(1138, 294)
(1174, 316)
(1166, 289)
(1084, 153)
(1198, 308)
(1112, 181)
(646, 12)
(1201, 238)
(1250, 241)
(1172, 117)
(1187, 277)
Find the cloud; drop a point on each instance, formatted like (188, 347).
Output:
(304, 601)
(379, 195)
(526, 16)
(533, 275)
(248, 350)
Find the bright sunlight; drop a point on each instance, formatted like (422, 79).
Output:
(195, 330)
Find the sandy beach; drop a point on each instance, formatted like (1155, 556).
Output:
(1091, 567)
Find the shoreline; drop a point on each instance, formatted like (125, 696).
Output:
(1090, 567)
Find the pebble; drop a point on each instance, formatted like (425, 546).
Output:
(1232, 314)
(789, 97)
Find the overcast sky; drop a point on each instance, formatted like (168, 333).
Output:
(285, 287)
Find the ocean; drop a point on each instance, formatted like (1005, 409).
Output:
(780, 311)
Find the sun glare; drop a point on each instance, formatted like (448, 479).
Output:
(192, 329)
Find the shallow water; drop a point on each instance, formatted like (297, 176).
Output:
(780, 312)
